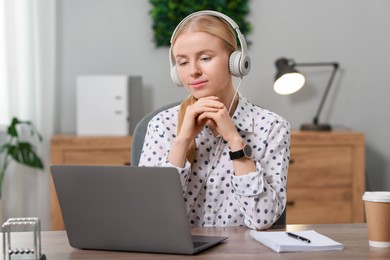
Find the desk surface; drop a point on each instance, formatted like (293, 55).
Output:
(240, 245)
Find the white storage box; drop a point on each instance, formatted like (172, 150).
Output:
(108, 105)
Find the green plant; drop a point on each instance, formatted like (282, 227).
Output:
(21, 151)
(166, 14)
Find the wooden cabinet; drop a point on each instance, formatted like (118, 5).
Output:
(70, 149)
(325, 184)
(326, 178)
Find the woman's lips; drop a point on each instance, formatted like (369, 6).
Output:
(198, 84)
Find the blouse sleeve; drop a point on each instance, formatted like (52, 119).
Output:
(157, 144)
(262, 194)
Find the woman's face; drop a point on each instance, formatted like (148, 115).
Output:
(202, 64)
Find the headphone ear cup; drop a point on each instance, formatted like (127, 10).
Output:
(234, 63)
(239, 66)
(245, 65)
(175, 77)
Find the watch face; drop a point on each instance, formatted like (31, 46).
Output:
(248, 151)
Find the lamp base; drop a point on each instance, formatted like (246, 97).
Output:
(316, 127)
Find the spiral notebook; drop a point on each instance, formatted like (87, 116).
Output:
(280, 241)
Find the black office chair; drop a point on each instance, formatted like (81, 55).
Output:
(138, 142)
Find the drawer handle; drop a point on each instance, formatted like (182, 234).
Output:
(127, 163)
(290, 203)
(291, 161)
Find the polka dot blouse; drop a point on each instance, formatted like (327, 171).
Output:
(214, 196)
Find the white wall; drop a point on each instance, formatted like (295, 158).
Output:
(115, 37)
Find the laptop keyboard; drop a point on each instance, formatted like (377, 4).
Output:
(198, 244)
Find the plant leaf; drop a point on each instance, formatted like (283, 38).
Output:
(166, 14)
(24, 153)
(12, 128)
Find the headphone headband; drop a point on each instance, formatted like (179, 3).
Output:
(239, 61)
(206, 12)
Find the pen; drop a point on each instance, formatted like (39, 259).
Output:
(304, 239)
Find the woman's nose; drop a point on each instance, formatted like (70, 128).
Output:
(195, 69)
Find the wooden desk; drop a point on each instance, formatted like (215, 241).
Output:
(240, 245)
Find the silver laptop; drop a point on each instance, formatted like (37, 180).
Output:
(126, 209)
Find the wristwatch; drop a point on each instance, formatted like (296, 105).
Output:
(246, 151)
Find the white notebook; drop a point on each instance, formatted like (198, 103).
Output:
(279, 241)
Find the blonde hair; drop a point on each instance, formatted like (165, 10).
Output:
(215, 26)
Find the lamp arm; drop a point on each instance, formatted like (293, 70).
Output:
(324, 96)
(335, 67)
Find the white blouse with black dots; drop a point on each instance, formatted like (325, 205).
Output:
(214, 196)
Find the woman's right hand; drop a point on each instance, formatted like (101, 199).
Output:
(191, 126)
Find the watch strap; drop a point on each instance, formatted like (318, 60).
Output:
(237, 154)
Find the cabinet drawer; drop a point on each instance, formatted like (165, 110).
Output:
(97, 157)
(319, 205)
(320, 167)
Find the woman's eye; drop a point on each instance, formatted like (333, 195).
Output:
(182, 63)
(205, 58)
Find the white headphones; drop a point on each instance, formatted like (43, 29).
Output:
(239, 61)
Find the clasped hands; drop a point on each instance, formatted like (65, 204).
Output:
(210, 111)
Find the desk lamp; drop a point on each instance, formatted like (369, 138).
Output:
(288, 80)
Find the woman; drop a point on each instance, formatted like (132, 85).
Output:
(232, 156)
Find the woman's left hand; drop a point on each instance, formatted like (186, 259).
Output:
(221, 122)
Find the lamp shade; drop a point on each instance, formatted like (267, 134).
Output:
(287, 79)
